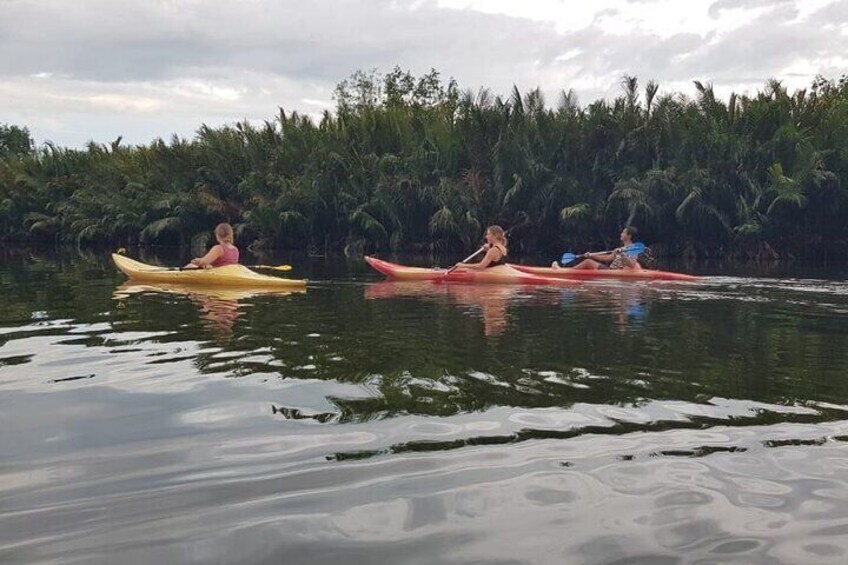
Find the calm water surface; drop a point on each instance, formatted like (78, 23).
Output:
(364, 421)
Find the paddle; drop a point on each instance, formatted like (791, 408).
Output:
(466, 260)
(192, 266)
(274, 267)
(631, 250)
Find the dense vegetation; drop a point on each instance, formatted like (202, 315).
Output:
(414, 163)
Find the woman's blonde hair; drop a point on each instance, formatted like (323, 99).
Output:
(224, 232)
(498, 233)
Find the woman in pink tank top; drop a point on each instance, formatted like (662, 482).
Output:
(225, 253)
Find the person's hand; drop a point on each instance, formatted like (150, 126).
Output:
(486, 247)
(586, 255)
(617, 251)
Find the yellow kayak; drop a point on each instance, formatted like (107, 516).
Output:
(230, 275)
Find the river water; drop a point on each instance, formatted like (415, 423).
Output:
(364, 421)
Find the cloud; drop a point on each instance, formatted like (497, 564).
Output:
(605, 13)
(310, 39)
(231, 60)
(145, 69)
(763, 48)
(832, 15)
(720, 5)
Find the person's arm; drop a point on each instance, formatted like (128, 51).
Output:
(206, 261)
(492, 255)
(600, 257)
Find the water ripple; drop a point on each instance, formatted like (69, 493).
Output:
(382, 423)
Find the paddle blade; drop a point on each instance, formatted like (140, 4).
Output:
(568, 258)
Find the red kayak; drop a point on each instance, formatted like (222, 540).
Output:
(503, 274)
(617, 274)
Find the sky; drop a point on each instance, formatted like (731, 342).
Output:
(81, 70)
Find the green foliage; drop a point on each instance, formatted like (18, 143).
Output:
(14, 141)
(411, 162)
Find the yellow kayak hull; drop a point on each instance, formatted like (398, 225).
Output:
(228, 276)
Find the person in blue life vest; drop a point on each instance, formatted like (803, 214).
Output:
(616, 259)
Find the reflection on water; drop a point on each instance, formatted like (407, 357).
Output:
(489, 301)
(368, 421)
(218, 307)
(629, 302)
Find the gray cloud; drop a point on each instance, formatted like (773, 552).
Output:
(717, 7)
(763, 47)
(835, 14)
(605, 13)
(307, 38)
(146, 69)
(752, 53)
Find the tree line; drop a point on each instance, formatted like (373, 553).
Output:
(415, 163)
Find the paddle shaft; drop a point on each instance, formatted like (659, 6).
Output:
(275, 267)
(623, 250)
(192, 266)
(466, 260)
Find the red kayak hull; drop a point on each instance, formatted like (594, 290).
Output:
(616, 274)
(503, 274)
